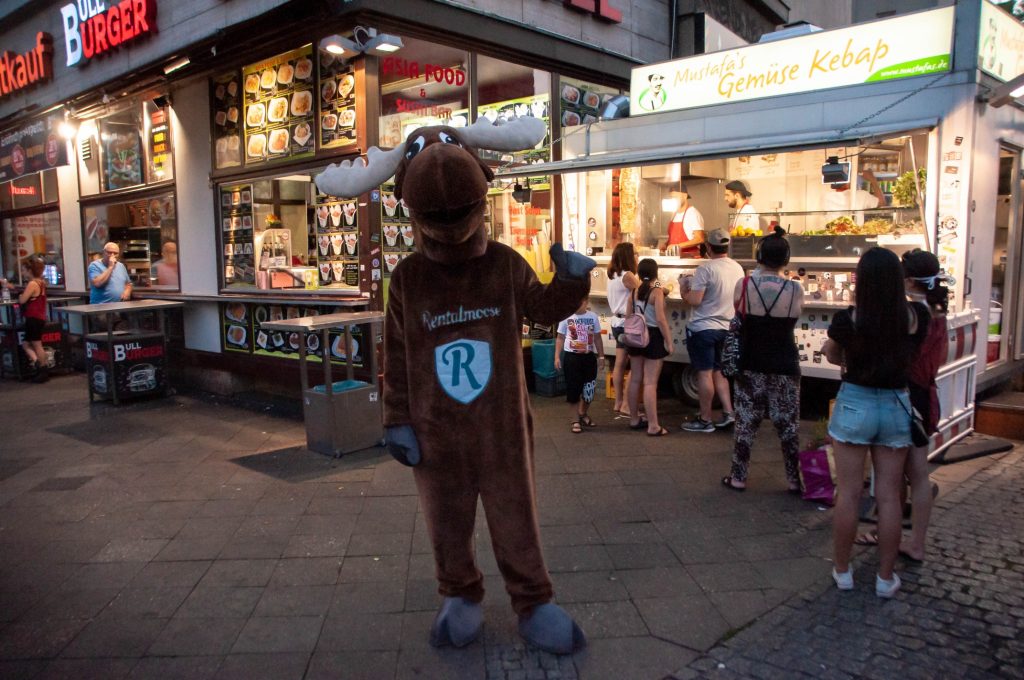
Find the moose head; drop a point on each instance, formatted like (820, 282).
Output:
(440, 176)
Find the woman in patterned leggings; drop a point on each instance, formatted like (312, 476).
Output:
(768, 385)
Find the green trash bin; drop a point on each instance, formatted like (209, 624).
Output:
(544, 358)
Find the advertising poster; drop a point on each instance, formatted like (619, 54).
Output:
(337, 102)
(237, 230)
(337, 241)
(122, 156)
(32, 147)
(398, 239)
(138, 365)
(278, 98)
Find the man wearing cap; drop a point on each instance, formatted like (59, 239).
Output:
(686, 229)
(737, 197)
(710, 292)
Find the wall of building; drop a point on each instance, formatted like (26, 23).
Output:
(866, 10)
(832, 14)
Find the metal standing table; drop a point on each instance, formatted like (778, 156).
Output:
(9, 322)
(108, 310)
(338, 422)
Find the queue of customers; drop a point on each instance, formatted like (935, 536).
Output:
(889, 345)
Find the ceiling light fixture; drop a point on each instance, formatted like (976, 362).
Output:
(383, 43)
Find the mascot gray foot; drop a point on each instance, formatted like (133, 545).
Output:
(458, 623)
(550, 628)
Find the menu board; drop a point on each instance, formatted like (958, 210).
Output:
(396, 228)
(581, 102)
(536, 106)
(337, 102)
(236, 220)
(278, 98)
(243, 332)
(227, 117)
(337, 241)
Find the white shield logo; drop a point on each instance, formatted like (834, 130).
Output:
(463, 368)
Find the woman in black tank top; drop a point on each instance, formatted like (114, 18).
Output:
(768, 385)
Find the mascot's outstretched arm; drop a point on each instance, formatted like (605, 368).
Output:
(549, 304)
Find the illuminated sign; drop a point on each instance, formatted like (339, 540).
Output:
(903, 47)
(22, 191)
(601, 9)
(92, 28)
(18, 71)
(1000, 44)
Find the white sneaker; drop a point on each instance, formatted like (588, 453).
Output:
(726, 420)
(885, 588)
(843, 581)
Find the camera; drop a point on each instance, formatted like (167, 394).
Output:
(834, 172)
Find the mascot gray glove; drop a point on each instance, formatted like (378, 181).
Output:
(570, 266)
(402, 444)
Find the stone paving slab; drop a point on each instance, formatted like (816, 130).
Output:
(188, 537)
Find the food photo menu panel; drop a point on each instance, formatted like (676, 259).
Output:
(236, 219)
(278, 97)
(237, 322)
(398, 240)
(337, 102)
(227, 119)
(337, 241)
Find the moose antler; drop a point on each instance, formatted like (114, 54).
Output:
(351, 178)
(516, 135)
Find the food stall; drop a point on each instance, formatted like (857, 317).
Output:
(774, 115)
(124, 364)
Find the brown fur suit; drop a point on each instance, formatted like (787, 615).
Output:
(453, 368)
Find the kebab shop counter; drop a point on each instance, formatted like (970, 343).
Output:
(125, 359)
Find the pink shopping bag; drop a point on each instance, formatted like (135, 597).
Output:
(818, 475)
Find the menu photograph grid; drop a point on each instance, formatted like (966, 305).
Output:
(396, 229)
(236, 218)
(337, 241)
(337, 102)
(227, 118)
(243, 332)
(278, 96)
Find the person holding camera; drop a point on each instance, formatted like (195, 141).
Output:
(109, 278)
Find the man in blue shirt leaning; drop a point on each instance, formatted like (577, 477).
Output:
(109, 278)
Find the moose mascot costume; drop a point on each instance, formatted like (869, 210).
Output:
(455, 402)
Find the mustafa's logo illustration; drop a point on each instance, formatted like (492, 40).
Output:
(654, 96)
(463, 368)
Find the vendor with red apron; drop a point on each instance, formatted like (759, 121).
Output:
(686, 229)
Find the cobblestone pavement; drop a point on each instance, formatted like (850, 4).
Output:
(188, 538)
(960, 614)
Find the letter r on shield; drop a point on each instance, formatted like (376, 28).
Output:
(463, 368)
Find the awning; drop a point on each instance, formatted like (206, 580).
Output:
(815, 139)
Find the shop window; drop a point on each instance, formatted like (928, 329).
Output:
(131, 147)
(509, 91)
(146, 230)
(280, 234)
(423, 84)
(33, 235)
(580, 102)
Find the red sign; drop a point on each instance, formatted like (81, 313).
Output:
(22, 191)
(91, 28)
(393, 66)
(18, 71)
(601, 9)
(18, 159)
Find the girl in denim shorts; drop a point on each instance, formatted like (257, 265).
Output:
(875, 346)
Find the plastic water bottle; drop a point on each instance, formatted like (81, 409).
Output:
(6, 291)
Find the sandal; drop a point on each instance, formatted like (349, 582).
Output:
(577, 428)
(909, 558)
(587, 421)
(642, 425)
(660, 433)
(867, 538)
(728, 484)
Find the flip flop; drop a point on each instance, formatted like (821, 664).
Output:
(867, 538)
(909, 558)
(587, 421)
(642, 425)
(577, 428)
(660, 433)
(727, 483)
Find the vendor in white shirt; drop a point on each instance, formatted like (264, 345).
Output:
(844, 199)
(686, 228)
(737, 197)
